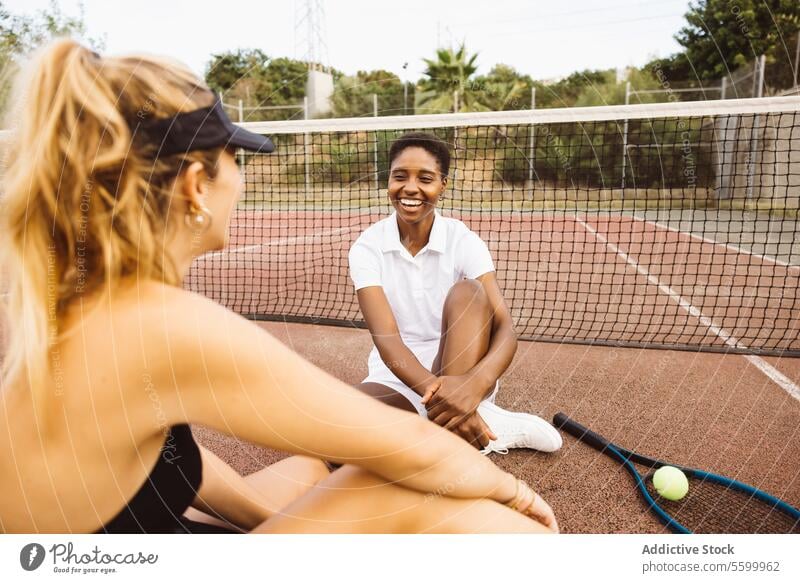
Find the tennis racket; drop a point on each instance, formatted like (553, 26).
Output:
(714, 504)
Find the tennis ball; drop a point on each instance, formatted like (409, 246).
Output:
(670, 483)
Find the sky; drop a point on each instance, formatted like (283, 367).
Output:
(542, 38)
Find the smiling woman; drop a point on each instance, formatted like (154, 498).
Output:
(442, 331)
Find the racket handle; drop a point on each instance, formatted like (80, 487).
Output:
(561, 421)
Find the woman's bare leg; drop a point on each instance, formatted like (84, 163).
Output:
(466, 329)
(387, 396)
(285, 481)
(353, 500)
(265, 491)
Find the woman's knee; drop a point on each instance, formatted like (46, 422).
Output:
(468, 291)
(388, 507)
(310, 470)
(355, 500)
(467, 294)
(294, 476)
(318, 470)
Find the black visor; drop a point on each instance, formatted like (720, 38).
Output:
(201, 129)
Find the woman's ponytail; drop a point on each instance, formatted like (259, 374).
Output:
(84, 204)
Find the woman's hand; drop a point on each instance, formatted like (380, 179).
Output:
(529, 503)
(540, 511)
(474, 431)
(450, 400)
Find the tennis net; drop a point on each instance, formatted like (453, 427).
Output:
(666, 225)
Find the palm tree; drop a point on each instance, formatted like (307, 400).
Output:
(503, 88)
(448, 73)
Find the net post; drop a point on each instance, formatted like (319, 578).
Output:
(532, 142)
(723, 87)
(625, 135)
(375, 152)
(759, 91)
(306, 147)
(796, 59)
(455, 145)
(240, 158)
(751, 158)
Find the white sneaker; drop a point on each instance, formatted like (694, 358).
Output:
(517, 430)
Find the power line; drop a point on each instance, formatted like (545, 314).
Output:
(582, 25)
(571, 12)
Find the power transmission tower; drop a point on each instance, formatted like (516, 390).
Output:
(312, 47)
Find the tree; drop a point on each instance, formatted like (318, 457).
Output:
(449, 72)
(22, 34)
(226, 69)
(287, 79)
(19, 35)
(504, 89)
(352, 96)
(257, 80)
(673, 68)
(721, 36)
(565, 92)
(611, 92)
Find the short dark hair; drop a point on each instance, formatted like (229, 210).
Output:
(436, 147)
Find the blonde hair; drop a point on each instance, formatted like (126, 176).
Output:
(85, 196)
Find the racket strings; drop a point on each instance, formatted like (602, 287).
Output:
(713, 508)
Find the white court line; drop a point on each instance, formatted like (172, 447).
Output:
(774, 374)
(713, 242)
(284, 241)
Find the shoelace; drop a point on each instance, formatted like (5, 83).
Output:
(502, 450)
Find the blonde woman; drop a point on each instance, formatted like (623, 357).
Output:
(121, 172)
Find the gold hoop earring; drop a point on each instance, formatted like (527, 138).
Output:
(198, 219)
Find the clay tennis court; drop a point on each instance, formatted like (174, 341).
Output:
(737, 415)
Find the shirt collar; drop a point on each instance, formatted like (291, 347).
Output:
(436, 242)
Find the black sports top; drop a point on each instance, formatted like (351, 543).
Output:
(169, 490)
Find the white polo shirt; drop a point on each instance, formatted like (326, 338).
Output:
(416, 287)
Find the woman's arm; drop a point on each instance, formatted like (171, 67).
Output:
(215, 368)
(385, 334)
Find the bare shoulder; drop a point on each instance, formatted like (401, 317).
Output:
(189, 350)
(189, 327)
(163, 338)
(177, 311)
